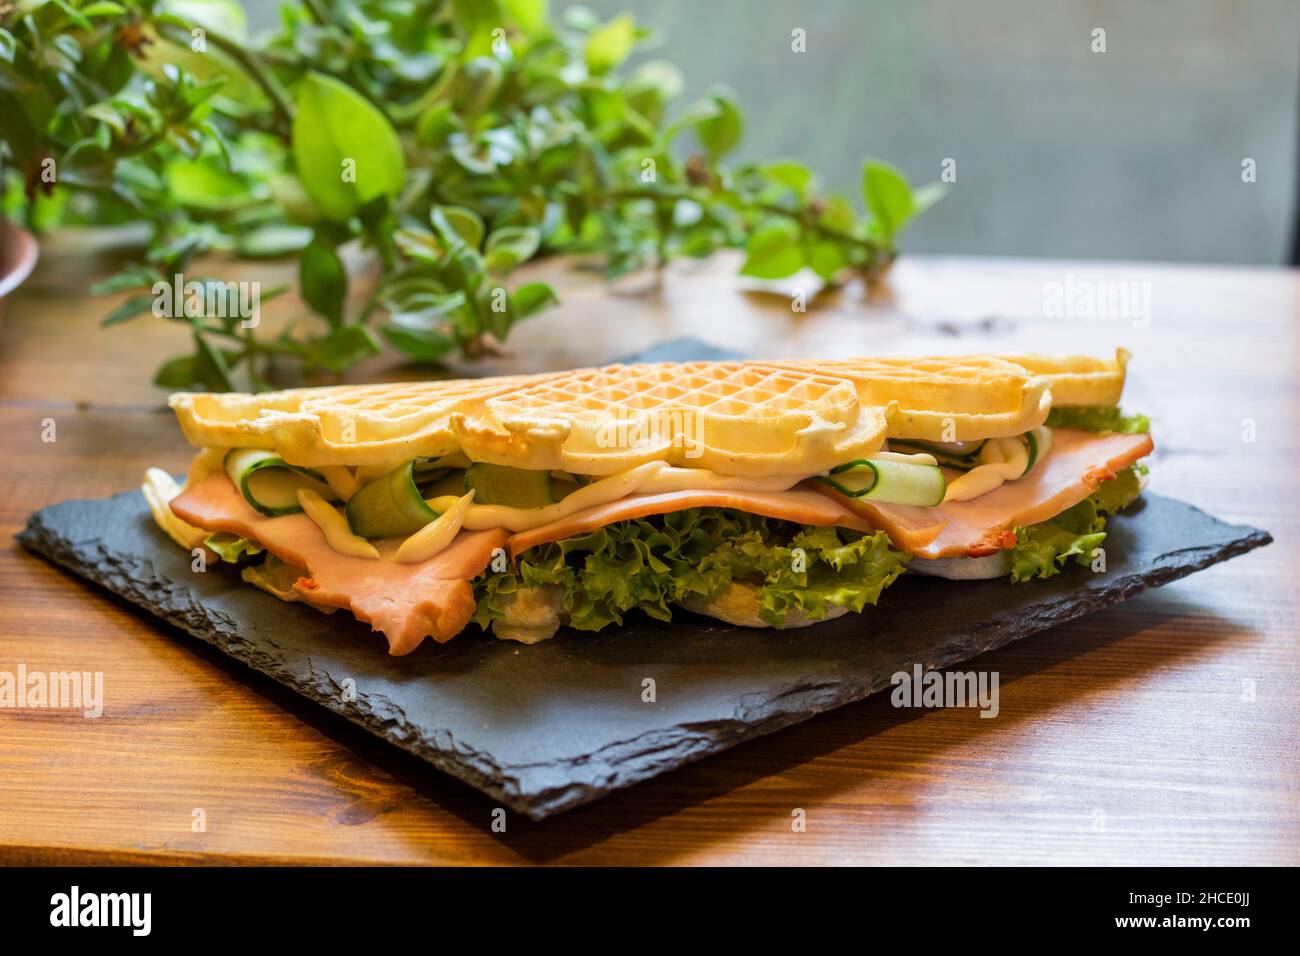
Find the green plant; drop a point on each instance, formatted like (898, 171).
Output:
(455, 139)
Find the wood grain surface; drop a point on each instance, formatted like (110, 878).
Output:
(1163, 731)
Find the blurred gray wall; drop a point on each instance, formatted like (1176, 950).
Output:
(1131, 153)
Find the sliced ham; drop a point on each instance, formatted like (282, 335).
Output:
(407, 602)
(1078, 463)
(800, 506)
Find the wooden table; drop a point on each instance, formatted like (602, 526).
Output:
(1162, 731)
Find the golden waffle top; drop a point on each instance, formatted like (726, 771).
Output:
(753, 418)
(726, 416)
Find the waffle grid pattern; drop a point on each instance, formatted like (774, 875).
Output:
(768, 417)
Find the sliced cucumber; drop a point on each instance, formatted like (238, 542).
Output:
(962, 455)
(269, 484)
(564, 484)
(1040, 442)
(948, 449)
(889, 482)
(388, 506)
(1032, 441)
(516, 487)
(450, 482)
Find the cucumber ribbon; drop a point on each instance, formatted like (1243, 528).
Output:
(389, 506)
(964, 456)
(515, 487)
(961, 455)
(269, 484)
(889, 482)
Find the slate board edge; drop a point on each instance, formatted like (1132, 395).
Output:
(682, 744)
(132, 580)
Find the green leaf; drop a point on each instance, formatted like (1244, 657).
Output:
(206, 185)
(692, 116)
(464, 269)
(100, 111)
(225, 16)
(720, 134)
(649, 564)
(509, 246)
(1121, 491)
(531, 298)
(210, 366)
(926, 196)
(611, 44)
(423, 317)
(416, 243)
(134, 276)
(837, 212)
(427, 344)
(178, 372)
(888, 197)
(102, 8)
(8, 46)
(651, 87)
(1098, 418)
(701, 242)
(794, 176)
(72, 14)
(288, 191)
(531, 16)
(273, 240)
(344, 347)
(458, 224)
(87, 165)
(825, 258)
(346, 151)
(323, 280)
(135, 306)
(482, 155)
(477, 18)
(418, 308)
(773, 252)
(1043, 549)
(476, 85)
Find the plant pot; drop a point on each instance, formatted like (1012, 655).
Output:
(18, 253)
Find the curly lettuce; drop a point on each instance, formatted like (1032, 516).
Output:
(1042, 550)
(649, 564)
(1098, 418)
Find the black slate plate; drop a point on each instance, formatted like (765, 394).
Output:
(549, 727)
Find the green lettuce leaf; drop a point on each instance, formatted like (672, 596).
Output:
(1098, 418)
(1043, 549)
(231, 547)
(650, 563)
(1116, 495)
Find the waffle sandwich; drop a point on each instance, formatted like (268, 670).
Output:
(764, 493)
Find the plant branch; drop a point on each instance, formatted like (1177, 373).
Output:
(803, 215)
(251, 65)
